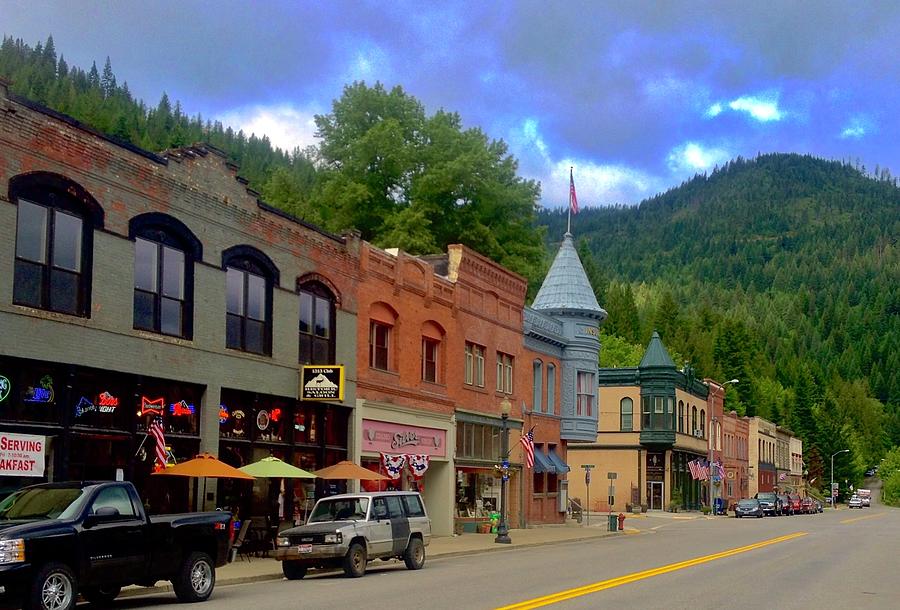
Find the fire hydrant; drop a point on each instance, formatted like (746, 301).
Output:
(621, 522)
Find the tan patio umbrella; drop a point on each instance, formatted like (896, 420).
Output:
(204, 466)
(348, 470)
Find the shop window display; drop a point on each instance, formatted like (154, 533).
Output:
(34, 395)
(477, 494)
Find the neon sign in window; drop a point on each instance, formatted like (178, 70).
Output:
(5, 387)
(223, 414)
(42, 393)
(106, 403)
(154, 406)
(181, 408)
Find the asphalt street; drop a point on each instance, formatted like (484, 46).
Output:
(844, 558)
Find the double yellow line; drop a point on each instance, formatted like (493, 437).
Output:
(855, 519)
(629, 578)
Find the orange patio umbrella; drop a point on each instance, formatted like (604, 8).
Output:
(349, 470)
(205, 466)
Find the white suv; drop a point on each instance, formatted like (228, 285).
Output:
(349, 530)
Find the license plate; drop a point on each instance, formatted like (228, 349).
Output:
(305, 548)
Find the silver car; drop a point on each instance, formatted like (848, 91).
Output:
(855, 502)
(349, 530)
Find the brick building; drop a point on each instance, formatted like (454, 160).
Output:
(140, 286)
(762, 456)
(735, 434)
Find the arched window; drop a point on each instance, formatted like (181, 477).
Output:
(702, 423)
(55, 226)
(382, 319)
(250, 277)
(432, 343)
(537, 386)
(681, 416)
(551, 388)
(694, 427)
(626, 415)
(316, 323)
(164, 254)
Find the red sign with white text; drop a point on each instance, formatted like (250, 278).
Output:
(386, 437)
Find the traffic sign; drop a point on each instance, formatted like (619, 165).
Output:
(611, 476)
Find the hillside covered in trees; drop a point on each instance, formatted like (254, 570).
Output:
(782, 271)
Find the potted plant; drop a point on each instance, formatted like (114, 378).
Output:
(706, 509)
(628, 507)
(676, 501)
(644, 508)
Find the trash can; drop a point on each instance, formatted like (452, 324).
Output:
(621, 521)
(613, 523)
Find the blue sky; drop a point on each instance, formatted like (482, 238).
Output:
(637, 96)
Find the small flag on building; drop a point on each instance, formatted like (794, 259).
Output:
(157, 432)
(573, 198)
(782, 476)
(527, 441)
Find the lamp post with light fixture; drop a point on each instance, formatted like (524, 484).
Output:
(712, 440)
(833, 495)
(502, 528)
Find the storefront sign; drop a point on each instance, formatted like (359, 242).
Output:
(322, 383)
(154, 406)
(22, 455)
(5, 387)
(106, 403)
(656, 466)
(42, 393)
(386, 437)
(181, 408)
(263, 419)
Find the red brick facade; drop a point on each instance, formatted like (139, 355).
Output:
(735, 435)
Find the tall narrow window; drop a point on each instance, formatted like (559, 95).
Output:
(681, 416)
(249, 281)
(702, 423)
(470, 364)
(584, 394)
(645, 412)
(694, 427)
(379, 345)
(479, 365)
(537, 383)
(504, 373)
(626, 408)
(49, 259)
(430, 349)
(316, 333)
(551, 388)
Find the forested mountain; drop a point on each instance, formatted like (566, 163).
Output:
(781, 271)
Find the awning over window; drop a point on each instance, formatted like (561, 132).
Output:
(542, 463)
(560, 466)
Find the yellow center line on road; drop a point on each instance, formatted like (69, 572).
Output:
(862, 518)
(539, 602)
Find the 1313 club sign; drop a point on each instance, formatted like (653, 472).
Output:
(322, 383)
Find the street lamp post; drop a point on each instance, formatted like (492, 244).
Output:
(831, 491)
(712, 440)
(502, 528)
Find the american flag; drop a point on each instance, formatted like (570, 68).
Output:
(527, 441)
(573, 199)
(156, 431)
(699, 469)
(782, 476)
(695, 474)
(721, 470)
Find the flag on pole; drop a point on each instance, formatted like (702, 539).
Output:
(527, 441)
(704, 470)
(692, 465)
(721, 470)
(573, 198)
(156, 431)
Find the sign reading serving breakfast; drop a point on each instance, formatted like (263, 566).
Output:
(21, 455)
(322, 383)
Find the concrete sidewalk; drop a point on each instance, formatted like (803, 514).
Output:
(255, 569)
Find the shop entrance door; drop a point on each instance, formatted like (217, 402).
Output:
(655, 492)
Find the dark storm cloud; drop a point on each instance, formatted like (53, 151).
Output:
(636, 94)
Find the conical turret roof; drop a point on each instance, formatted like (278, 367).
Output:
(566, 288)
(656, 355)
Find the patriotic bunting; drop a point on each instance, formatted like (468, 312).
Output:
(418, 464)
(393, 464)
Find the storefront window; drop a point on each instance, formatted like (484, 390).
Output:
(336, 427)
(271, 420)
(177, 404)
(477, 493)
(305, 425)
(37, 396)
(100, 401)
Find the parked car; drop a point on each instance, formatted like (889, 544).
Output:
(59, 540)
(806, 506)
(749, 507)
(819, 507)
(871, 472)
(349, 530)
(795, 503)
(769, 503)
(786, 506)
(855, 502)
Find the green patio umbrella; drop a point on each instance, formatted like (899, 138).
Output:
(273, 468)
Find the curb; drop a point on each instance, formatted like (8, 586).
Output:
(242, 580)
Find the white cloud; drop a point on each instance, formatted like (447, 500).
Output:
(692, 157)
(763, 108)
(285, 125)
(857, 127)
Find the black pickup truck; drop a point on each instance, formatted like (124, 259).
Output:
(59, 540)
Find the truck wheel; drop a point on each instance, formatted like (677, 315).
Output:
(54, 588)
(355, 561)
(101, 596)
(293, 570)
(196, 578)
(414, 555)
